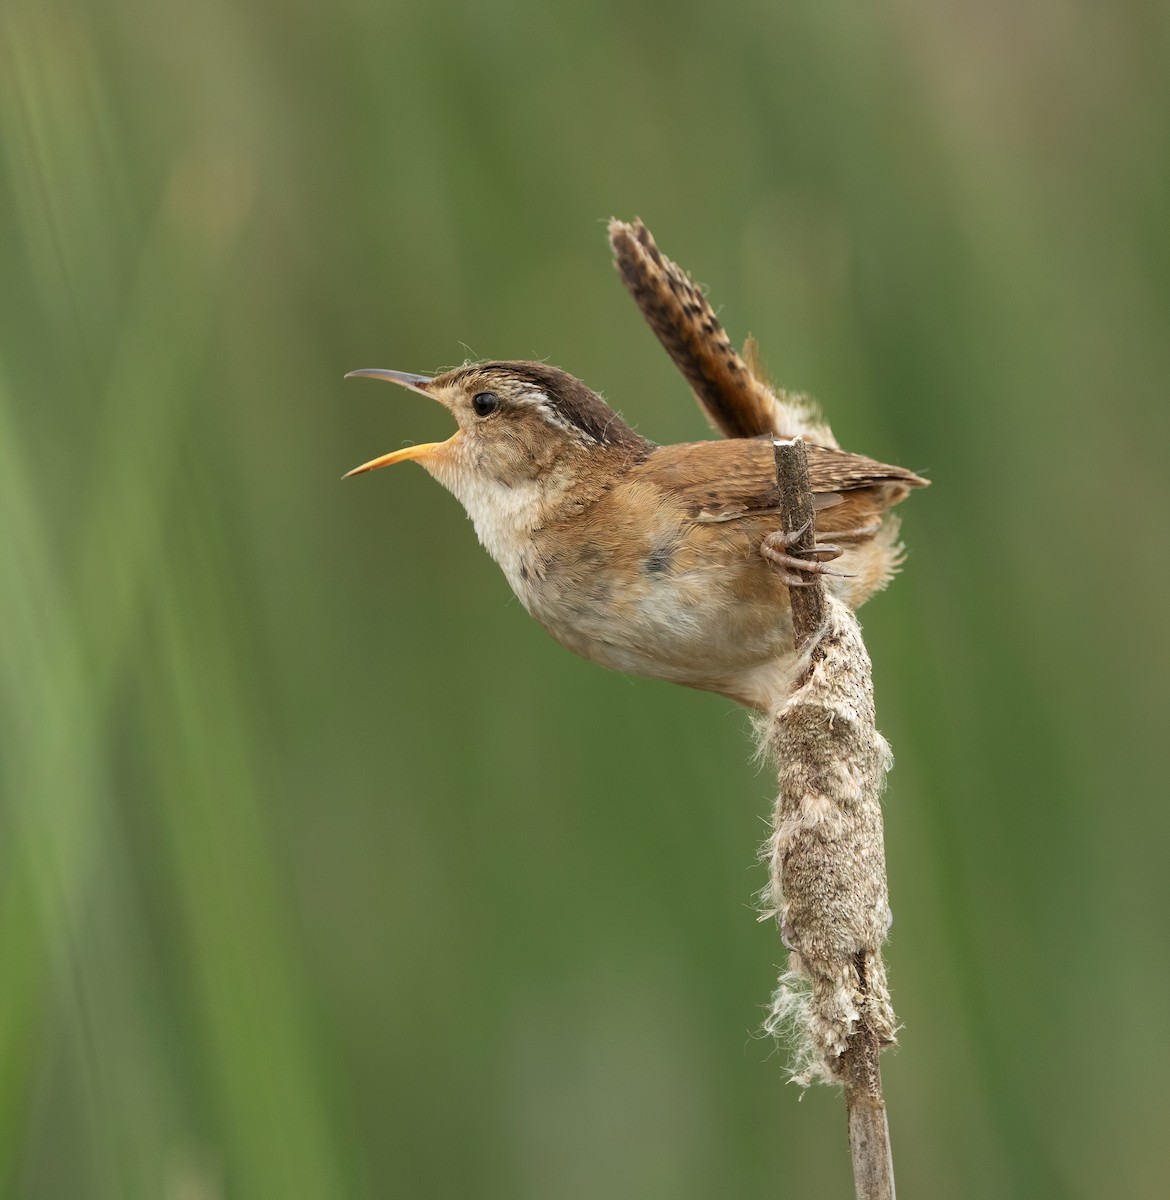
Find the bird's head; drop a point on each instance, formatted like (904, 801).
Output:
(518, 421)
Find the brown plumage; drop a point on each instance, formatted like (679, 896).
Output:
(654, 560)
(665, 561)
(730, 391)
(725, 480)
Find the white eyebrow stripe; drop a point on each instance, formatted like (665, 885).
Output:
(538, 399)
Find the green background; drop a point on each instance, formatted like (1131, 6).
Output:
(324, 872)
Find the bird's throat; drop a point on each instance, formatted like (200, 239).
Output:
(505, 516)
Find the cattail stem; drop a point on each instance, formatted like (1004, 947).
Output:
(796, 512)
(826, 852)
(865, 1108)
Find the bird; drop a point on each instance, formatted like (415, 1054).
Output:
(663, 561)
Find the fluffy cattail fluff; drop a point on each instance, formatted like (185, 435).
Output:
(826, 855)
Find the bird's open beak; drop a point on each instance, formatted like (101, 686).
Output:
(416, 383)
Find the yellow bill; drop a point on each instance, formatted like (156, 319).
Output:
(397, 456)
(416, 383)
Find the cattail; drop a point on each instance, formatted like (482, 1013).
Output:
(826, 856)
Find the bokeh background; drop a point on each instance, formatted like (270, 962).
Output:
(325, 873)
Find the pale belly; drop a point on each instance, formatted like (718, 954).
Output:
(723, 631)
(707, 612)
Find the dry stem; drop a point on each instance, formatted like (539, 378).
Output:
(827, 857)
(796, 512)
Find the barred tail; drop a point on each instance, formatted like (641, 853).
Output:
(730, 391)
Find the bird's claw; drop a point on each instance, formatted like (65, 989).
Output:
(776, 549)
(790, 537)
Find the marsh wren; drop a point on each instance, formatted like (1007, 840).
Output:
(663, 561)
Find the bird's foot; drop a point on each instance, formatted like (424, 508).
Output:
(776, 546)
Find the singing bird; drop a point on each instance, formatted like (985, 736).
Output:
(662, 561)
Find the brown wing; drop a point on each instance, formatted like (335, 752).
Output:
(725, 481)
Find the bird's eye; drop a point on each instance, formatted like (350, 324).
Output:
(485, 403)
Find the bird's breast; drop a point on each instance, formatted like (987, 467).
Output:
(631, 582)
(644, 593)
